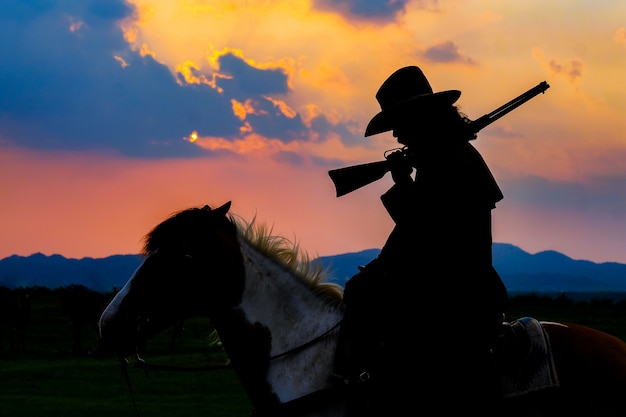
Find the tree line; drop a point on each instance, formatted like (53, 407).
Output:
(73, 309)
(66, 318)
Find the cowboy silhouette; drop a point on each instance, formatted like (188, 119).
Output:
(422, 318)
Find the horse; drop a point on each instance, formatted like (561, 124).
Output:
(278, 318)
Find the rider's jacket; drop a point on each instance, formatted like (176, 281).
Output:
(442, 241)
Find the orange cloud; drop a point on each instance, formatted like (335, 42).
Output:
(121, 60)
(572, 69)
(189, 71)
(144, 50)
(241, 110)
(252, 144)
(283, 107)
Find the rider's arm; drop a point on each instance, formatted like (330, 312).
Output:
(399, 201)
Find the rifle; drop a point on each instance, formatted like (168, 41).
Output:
(354, 177)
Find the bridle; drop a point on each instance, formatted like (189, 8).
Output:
(142, 364)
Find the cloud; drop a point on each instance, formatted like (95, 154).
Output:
(369, 9)
(245, 80)
(446, 52)
(572, 69)
(501, 132)
(71, 81)
(602, 196)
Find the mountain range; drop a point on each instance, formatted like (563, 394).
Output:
(522, 272)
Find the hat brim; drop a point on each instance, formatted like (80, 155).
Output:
(383, 121)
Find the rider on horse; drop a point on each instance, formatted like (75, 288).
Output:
(424, 316)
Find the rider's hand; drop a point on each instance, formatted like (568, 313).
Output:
(401, 168)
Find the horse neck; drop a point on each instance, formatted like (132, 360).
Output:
(278, 313)
(284, 302)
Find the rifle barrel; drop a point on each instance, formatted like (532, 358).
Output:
(489, 118)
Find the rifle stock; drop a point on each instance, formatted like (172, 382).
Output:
(354, 177)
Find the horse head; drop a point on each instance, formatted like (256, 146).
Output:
(183, 257)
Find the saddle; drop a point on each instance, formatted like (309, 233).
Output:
(522, 354)
(524, 358)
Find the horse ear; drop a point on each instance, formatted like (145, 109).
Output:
(223, 209)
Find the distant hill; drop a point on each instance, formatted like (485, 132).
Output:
(543, 272)
(103, 274)
(551, 271)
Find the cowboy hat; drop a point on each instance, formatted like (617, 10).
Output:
(406, 87)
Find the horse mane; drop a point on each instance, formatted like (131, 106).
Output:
(289, 254)
(260, 235)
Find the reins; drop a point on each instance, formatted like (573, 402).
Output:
(141, 364)
(124, 369)
(307, 344)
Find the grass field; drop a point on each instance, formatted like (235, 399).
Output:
(48, 378)
(94, 387)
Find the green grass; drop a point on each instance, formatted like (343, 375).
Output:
(93, 387)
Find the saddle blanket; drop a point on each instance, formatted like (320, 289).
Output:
(534, 370)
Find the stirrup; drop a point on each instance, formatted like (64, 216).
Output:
(347, 380)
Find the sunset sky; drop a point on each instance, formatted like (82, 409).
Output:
(114, 115)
